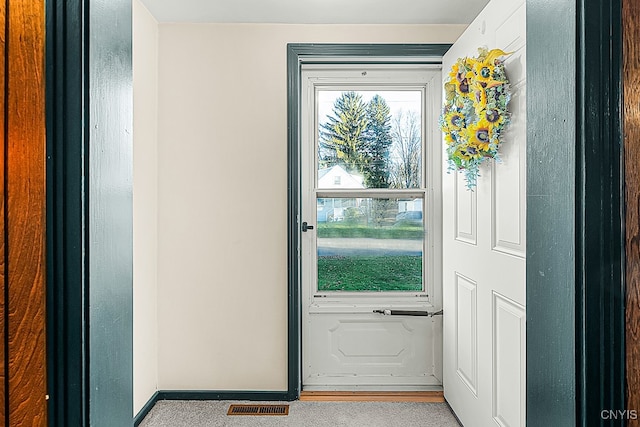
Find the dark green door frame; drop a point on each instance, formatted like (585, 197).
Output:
(297, 54)
(600, 233)
(575, 206)
(89, 213)
(67, 111)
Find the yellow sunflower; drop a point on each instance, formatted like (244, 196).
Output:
(454, 120)
(479, 134)
(455, 68)
(461, 76)
(457, 73)
(493, 116)
(468, 152)
(483, 72)
(462, 87)
(484, 69)
(448, 138)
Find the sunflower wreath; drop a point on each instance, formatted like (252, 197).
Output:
(475, 112)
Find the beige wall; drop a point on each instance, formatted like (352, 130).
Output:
(145, 204)
(222, 168)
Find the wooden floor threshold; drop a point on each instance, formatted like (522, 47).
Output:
(373, 396)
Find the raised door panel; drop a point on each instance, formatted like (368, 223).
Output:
(466, 340)
(509, 175)
(508, 362)
(508, 192)
(366, 349)
(465, 212)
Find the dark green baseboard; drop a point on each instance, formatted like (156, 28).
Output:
(208, 395)
(145, 409)
(222, 395)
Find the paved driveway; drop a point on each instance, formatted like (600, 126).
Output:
(368, 247)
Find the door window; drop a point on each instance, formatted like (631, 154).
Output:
(369, 138)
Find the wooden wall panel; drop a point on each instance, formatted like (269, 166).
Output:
(25, 213)
(3, 16)
(631, 72)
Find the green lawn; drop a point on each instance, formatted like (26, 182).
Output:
(370, 273)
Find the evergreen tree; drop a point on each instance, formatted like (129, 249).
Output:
(377, 143)
(358, 136)
(341, 136)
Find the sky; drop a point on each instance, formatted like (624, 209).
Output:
(406, 100)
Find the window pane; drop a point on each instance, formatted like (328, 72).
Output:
(370, 244)
(369, 139)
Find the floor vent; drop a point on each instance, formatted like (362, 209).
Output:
(258, 410)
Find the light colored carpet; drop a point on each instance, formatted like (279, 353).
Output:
(208, 413)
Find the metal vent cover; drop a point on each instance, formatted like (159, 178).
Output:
(258, 410)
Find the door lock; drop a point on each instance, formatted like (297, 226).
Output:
(306, 227)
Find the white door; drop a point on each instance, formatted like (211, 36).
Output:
(370, 170)
(484, 249)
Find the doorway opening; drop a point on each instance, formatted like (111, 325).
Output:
(371, 227)
(329, 203)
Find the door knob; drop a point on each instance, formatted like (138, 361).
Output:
(306, 227)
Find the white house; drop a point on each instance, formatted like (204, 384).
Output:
(332, 209)
(338, 177)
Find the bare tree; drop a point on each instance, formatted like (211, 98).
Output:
(406, 151)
